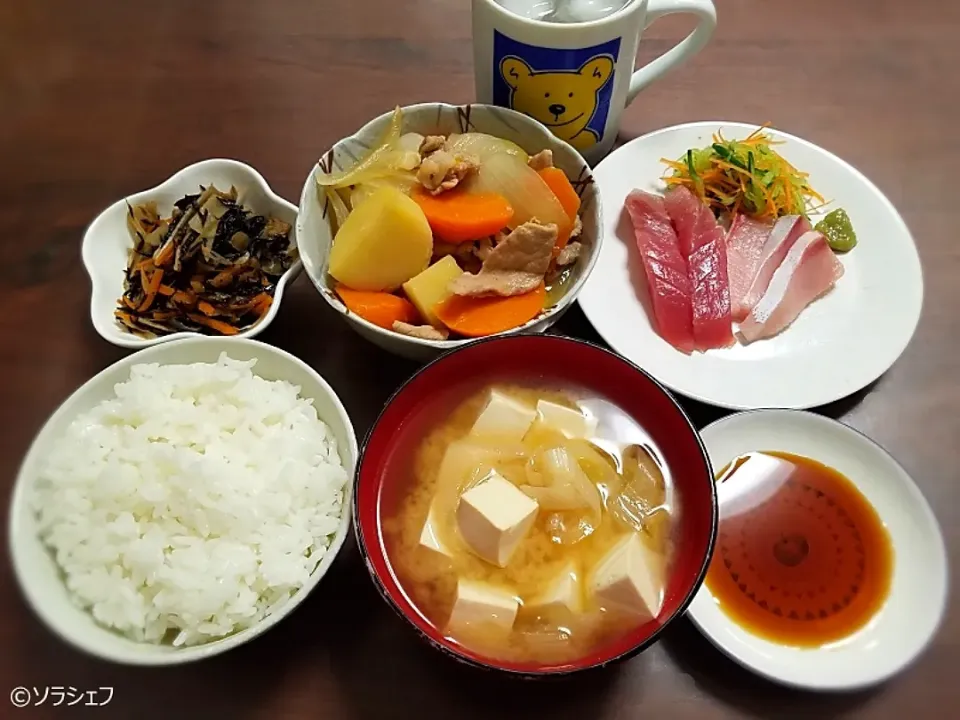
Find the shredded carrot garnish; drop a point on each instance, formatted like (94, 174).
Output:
(673, 163)
(746, 176)
(167, 290)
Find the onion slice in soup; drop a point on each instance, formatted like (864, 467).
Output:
(464, 465)
(566, 480)
(643, 490)
(565, 471)
(555, 498)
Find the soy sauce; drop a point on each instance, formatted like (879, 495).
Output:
(802, 558)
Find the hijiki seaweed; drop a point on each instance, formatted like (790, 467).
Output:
(211, 267)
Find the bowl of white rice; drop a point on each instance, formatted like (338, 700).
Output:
(183, 501)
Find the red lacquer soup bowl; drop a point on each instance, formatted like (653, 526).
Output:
(550, 360)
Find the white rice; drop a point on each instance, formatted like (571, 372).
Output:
(192, 505)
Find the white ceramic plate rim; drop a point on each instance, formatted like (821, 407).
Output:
(316, 268)
(706, 383)
(800, 667)
(103, 326)
(165, 655)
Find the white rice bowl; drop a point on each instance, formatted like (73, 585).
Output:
(193, 504)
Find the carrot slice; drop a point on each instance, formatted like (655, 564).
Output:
(457, 216)
(261, 303)
(150, 287)
(184, 297)
(206, 308)
(167, 290)
(380, 308)
(162, 258)
(477, 317)
(556, 179)
(218, 325)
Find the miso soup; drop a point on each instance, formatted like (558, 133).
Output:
(532, 524)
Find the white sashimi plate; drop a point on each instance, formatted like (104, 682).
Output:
(838, 345)
(909, 618)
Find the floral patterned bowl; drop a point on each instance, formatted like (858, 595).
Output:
(314, 232)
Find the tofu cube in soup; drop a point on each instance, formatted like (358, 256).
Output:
(629, 579)
(429, 539)
(504, 418)
(462, 462)
(493, 517)
(562, 595)
(481, 606)
(569, 421)
(432, 287)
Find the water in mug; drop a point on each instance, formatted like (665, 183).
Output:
(563, 11)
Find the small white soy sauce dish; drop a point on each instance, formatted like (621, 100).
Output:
(906, 622)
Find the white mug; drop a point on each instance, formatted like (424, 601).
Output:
(576, 78)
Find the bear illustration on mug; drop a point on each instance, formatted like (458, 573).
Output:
(563, 100)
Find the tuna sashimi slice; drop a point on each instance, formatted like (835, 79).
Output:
(665, 268)
(711, 299)
(695, 224)
(703, 244)
(808, 271)
(785, 233)
(745, 243)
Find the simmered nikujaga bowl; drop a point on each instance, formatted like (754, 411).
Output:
(436, 224)
(535, 504)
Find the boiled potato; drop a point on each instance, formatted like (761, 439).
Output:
(432, 287)
(383, 243)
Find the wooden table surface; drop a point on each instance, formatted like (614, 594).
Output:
(103, 98)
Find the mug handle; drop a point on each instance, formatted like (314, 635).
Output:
(706, 15)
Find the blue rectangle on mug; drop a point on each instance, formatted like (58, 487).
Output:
(568, 90)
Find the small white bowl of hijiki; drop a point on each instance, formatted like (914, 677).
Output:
(207, 252)
(183, 501)
(436, 224)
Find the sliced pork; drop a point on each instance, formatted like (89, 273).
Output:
(808, 271)
(529, 248)
(424, 332)
(703, 245)
(782, 237)
(569, 254)
(515, 266)
(665, 268)
(745, 243)
(503, 283)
